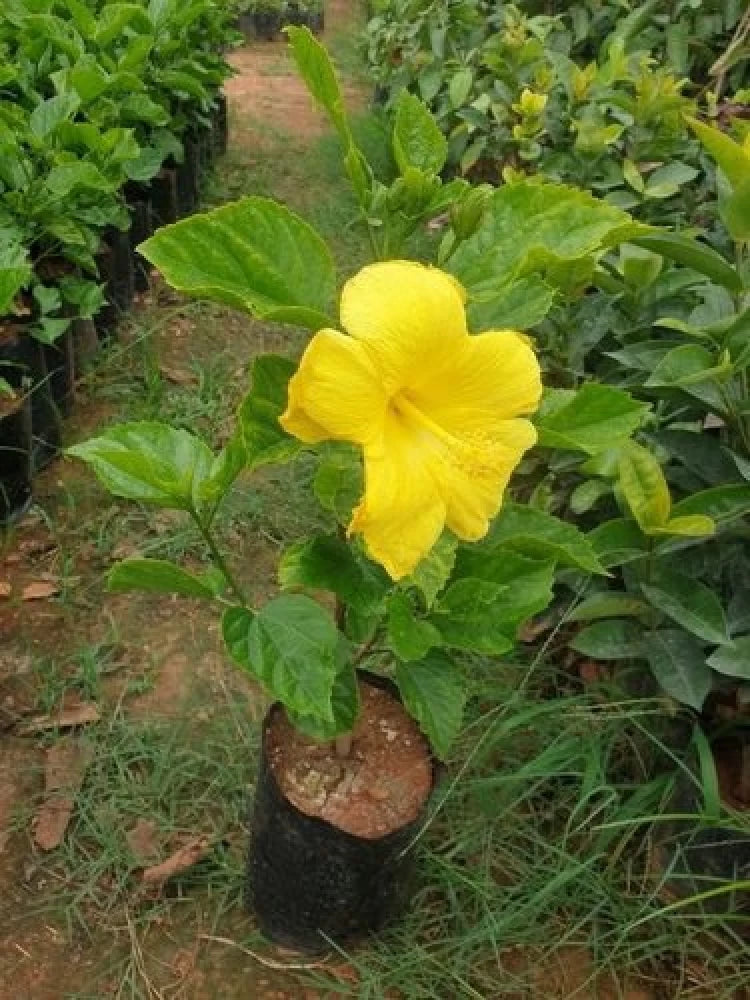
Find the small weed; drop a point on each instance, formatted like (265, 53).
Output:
(81, 672)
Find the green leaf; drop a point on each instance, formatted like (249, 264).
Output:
(264, 438)
(434, 692)
(528, 581)
(530, 227)
(690, 526)
(146, 165)
(157, 576)
(733, 659)
(615, 639)
(644, 487)
(88, 79)
(460, 87)
(225, 469)
(587, 495)
(47, 115)
(519, 305)
(48, 331)
(591, 419)
(409, 637)
(679, 665)
(617, 542)
(326, 562)
(344, 708)
(113, 18)
(685, 366)
(12, 280)
(667, 180)
(65, 178)
(640, 268)
(290, 646)
(433, 572)
(255, 255)
(149, 462)
(316, 69)
(540, 535)
(730, 155)
(607, 605)
(688, 602)
(467, 616)
(632, 175)
(721, 504)
(689, 252)
(417, 139)
(735, 211)
(339, 480)
(698, 452)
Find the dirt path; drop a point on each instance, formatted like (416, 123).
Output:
(267, 95)
(154, 669)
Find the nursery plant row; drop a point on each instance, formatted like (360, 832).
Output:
(648, 107)
(110, 115)
(265, 18)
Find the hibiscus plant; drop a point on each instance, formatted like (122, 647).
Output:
(414, 418)
(441, 420)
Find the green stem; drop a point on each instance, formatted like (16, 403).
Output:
(219, 560)
(371, 237)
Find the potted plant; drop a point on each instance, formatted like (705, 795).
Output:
(36, 355)
(348, 760)
(267, 18)
(15, 452)
(314, 15)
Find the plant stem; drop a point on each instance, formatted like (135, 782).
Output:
(344, 745)
(219, 560)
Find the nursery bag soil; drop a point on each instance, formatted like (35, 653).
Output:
(15, 458)
(332, 840)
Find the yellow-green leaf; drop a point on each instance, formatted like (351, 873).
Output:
(689, 526)
(645, 488)
(729, 155)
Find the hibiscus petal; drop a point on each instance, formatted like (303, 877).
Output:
(474, 474)
(335, 393)
(406, 315)
(494, 374)
(401, 515)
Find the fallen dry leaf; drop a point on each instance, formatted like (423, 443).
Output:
(76, 713)
(39, 590)
(532, 629)
(186, 857)
(592, 672)
(64, 770)
(178, 376)
(143, 841)
(346, 973)
(125, 550)
(5, 589)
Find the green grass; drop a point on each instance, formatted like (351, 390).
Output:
(537, 851)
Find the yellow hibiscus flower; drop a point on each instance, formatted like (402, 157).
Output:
(436, 411)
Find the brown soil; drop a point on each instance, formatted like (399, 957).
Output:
(267, 94)
(380, 787)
